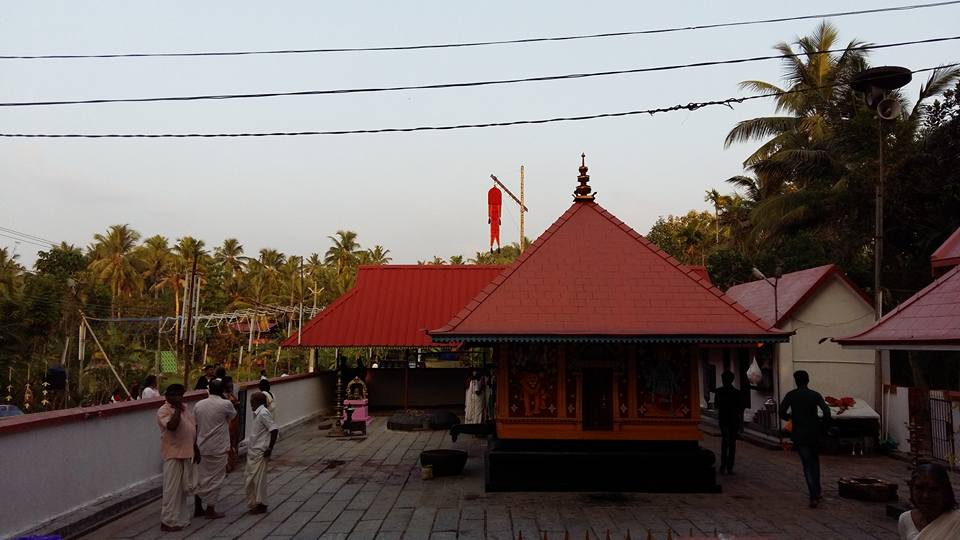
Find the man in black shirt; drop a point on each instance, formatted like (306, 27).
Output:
(730, 414)
(203, 382)
(802, 405)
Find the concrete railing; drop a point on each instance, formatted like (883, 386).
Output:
(70, 462)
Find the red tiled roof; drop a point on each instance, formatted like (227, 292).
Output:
(930, 317)
(590, 275)
(700, 271)
(948, 254)
(394, 305)
(793, 289)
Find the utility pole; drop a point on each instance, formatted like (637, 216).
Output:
(188, 358)
(300, 321)
(522, 209)
(519, 201)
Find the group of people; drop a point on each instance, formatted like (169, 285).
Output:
(199, 448)
(935, 515)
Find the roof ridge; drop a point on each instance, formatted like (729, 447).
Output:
(907, 303)
(643, 241)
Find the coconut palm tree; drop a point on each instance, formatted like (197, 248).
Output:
(377, 255)
(456, 259)
(11, 274)
(116, 264)
(342, 255)
(230, 257)
(816, 84)
(155, 255)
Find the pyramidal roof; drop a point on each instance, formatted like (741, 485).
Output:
(590, 277)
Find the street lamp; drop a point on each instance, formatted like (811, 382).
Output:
(776, 279)
(875, 84)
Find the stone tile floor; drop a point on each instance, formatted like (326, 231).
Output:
(371, 488)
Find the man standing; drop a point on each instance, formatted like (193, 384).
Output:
(802, 404)
(258, 453)
(730, 414)
(203, 383)
(178, 433)
(213, 438)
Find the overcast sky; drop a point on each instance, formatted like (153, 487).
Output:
(417, 194)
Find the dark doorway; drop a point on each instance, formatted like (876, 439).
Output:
(597, 400)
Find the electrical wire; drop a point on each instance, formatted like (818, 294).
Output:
(728, 102)
(24, 240)
(30, 236)
(469, 84)
(835, 14)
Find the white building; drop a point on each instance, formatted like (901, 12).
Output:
(817, 304)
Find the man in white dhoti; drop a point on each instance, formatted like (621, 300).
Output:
(178, 435)
(213, 416)
(474, 399)
(263, 436)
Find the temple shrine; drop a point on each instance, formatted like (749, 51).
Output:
(596, 335)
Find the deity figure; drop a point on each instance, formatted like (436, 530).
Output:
(534, 397)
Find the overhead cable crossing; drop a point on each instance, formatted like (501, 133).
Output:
(728, 102)
(520, 41)
(469, 84)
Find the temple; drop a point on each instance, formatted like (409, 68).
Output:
(596, 335)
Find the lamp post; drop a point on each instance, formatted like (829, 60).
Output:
(876, 84)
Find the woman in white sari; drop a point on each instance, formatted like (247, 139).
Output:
(935, 515)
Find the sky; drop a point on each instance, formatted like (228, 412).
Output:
(417, 194)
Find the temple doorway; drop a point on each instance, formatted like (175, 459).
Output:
(597, 399)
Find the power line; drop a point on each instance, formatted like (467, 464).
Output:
(24, 240)
(728, 102)
(486, 43)
(437, 86)
(30, 236)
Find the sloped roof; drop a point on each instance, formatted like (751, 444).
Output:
(591, 277)
(793, 289)
(948, 254)
(394, 305)
(930, 318)
(700, 271)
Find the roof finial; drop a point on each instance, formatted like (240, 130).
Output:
(583, 193)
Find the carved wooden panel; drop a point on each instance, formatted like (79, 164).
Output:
(663, 382)
(533, 382)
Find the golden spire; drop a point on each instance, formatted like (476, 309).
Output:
(583, 193)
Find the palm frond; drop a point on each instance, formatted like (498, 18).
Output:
(759, 128)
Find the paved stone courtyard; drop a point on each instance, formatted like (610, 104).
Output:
(371, 489)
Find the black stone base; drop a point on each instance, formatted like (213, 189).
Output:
(645, 466)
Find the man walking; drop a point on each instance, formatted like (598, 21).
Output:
(178, 434)
(263, 437)
(729, 404)
(802, 404)
(213, 439)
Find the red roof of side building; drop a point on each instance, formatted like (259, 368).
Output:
(947, 255)
(394, 305)
(793, 289)
(930, 318)
(591, 277)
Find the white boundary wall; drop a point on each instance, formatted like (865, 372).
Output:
(59, 462)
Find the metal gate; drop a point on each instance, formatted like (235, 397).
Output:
(941, 428)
